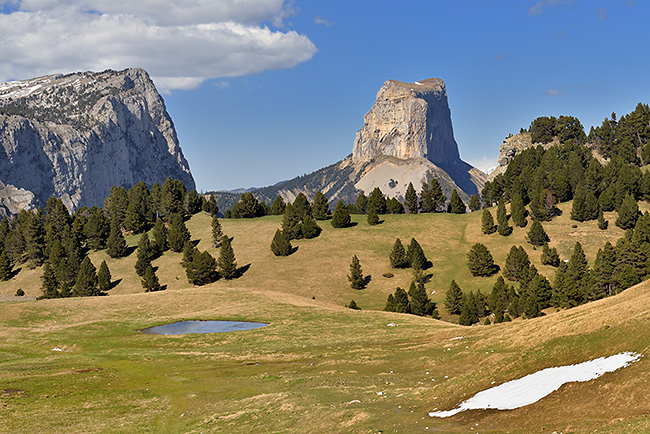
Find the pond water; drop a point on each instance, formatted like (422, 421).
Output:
(533, 387)
(186, 327)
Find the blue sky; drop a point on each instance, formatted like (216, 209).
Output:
(264, 90)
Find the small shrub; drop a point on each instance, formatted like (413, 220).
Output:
(20, 292)
(388, 275)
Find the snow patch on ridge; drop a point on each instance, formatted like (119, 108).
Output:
(531, 388)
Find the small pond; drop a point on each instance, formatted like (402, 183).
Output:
(186, 327)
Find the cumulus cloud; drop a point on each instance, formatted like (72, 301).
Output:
(180, 43)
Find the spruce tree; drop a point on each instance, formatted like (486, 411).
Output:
(6, 268)
(202, 269)
(468, 311)
(517, 210)
(517, 264)
(281, 246)
(390, 304)
(536, 235)
(480, 261)
(549, 256)
(86, 284)
(361, 204)
(150, 281)
(227, 264)
(97, 229)
(420, 304)
(416, 256)
(602, 223)
(193, 203)
(355, 277)
(577, 266)
(502, 220)
(411, 199)
(398, 258)
(188, 254)
(145, 254)
(310, 228)
(116, 244)
(377, 200)
(291, 223)
(394, 206)
(209, 206)
(628, 213)
(217, 232)
(278, 205)
(454, 298)
(353, 305)
(456, 204)
(487, 222)
(431, 196)
(178, 234)
(341, 217)
(104, 277)
(301, 206)
(401, 299)
(159, 233)
(373, 217)
(50, 283)
(320, 206)
(474, 203)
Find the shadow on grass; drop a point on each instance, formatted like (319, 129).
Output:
(115, 283)
(242, 270)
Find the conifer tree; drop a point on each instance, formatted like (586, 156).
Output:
(628, 213)
(116, 244)
(456, 205)
(50, 284)
(474, 202)
(301, 206)
(536, 235)
(202, 269)
(278, 205)
(341, 217)
(394, 206)
(585, 205)
(390, 304)
(480, 261)
(115, 205)
(320, 206)
(310, 228)
(502, 220)
(178, 234)
(373, 217)
(145, 254)
(291, 223)
(398, 258)
(517, 210)
(481, 304)
(104, 277)
(627, 277)
(355, 277)
(138, 211)
(159, 233)
(172, 198)
(353, 305)
(188, 254)
(6, 268)
(217, 232)
(577, 265)
(454, 298)
(415, 255)
(193, 202)
(420, 304)
(97, 229)
(361, 204)
(86, 284)
(210, 205)
(602, 223)
(549, 256)
(227, 264)
(517, 264)
(377, 200)
(468, 312)
(150, 282)
(281, 246)
(401, 299)
(487, 222)
(431, 196)
(411, 199)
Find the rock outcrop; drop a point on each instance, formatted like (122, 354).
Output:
(75, 136)
(408, 120)
(513, 146)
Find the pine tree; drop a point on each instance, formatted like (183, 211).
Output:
(355, 277)
(474, 203)
(97, 229)
(628, 213)
(201, 269)
(301, 206)
(291, 223)
(585, 205)
(353, 305)
(226, 264)
(310, 228)
(411, 199)
(361, 204)
(431, 196)
(193, 203)
(116, 204)
(278, 206)
(159, 233)
(341, 217)
(390, 304)
(320, 206)
(373, 217)
(6, 268)
(116, 244)
(577, 265)
(536, 235)
(86, 284)
(50, 284)
(456, 205)
(172, 200)
(502, 220)
(517, 211)
(517, 264)
(602, 223)
(281, 246)
(416, 256)
(178, 234)
(454, 298)
(377, 200)
(398, 258)
(487, 222)
(420, 303)
(145, 254)
(394, 206)
(138, 212)
(217, 232)
(150, 281)
(104, 277)
(480, 261)
(550, 256)
(210, 205)
(401, 299)
(468, 312)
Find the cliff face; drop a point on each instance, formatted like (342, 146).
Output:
(408, 120)
(75, 136)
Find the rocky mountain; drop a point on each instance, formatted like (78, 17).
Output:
(407, 136)
(75, 136)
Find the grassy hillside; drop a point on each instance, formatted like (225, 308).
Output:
(318, 367)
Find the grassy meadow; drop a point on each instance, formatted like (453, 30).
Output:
(318, 367)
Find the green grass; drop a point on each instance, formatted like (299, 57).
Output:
(318, 367)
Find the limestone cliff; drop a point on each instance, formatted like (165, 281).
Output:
(74, 136)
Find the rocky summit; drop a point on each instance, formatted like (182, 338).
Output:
(75, 136)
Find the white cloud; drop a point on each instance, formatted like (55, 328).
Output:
(541, 6)
(553, 92)
(323, 21)
(180, 43)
